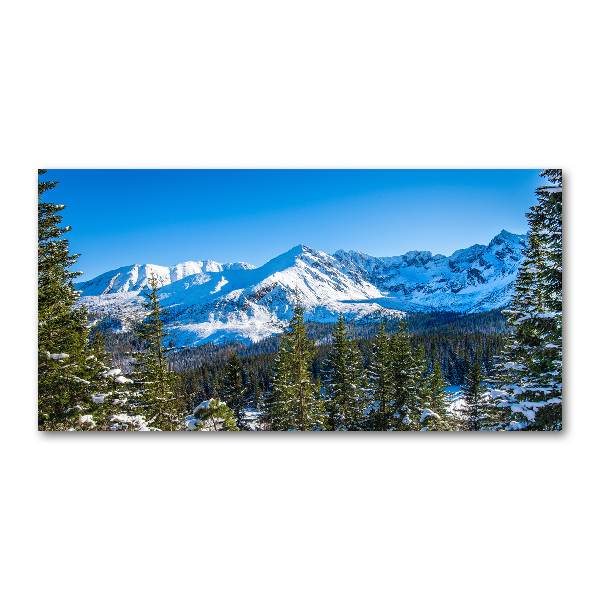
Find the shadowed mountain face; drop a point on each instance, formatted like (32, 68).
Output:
(210, 301)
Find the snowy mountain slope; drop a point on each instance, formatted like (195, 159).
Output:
(209, 301)
(134, 278)
(470, 280)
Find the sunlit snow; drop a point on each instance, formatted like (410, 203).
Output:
(210, 301)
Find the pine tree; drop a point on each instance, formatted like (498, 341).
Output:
(63, 384)
(213, 415)
(344, 383)
(109, 388)
(475, 411)
(381, 384)
(294, 401)
(529, 372)
(435, 415)
(153, 377)
(232, 390)
(549, 377)
(407, 372)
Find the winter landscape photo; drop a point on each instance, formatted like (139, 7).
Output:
(300, 300)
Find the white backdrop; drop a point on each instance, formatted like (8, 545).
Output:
(313, 84)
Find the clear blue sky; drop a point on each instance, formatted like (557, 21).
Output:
(121, 217)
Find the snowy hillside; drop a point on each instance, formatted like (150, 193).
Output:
(134, 278)
(471, 280)
(210, 301)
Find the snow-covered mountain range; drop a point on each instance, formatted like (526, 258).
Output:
(210, 301)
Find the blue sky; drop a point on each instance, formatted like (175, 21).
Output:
(121, 217)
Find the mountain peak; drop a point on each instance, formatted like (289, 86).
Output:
(212, 301)
(297, 250)
(286, 259)
(507, 236)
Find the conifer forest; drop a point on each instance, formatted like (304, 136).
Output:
(498, 369)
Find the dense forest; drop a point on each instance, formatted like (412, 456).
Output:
(367, 375)
(454, 340)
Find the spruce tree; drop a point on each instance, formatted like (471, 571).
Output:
(435, 415)
(407, 370)
(475, 410)
(344, 382)
(213, 415)
(528, 374)
(109, 388)
(294, 402)
(63, 353)
(381, 384)
(232, 390)
(153, 377)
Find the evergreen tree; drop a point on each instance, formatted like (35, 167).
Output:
(63, 353)
(294, 401)
(381, 384)
(232, 390)
(344, 383)
(435, 416)
(407, 370)
(153, 377)
(103, 382)
(214, 415)
(529, 372)
(109, 388)
(475, 411)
